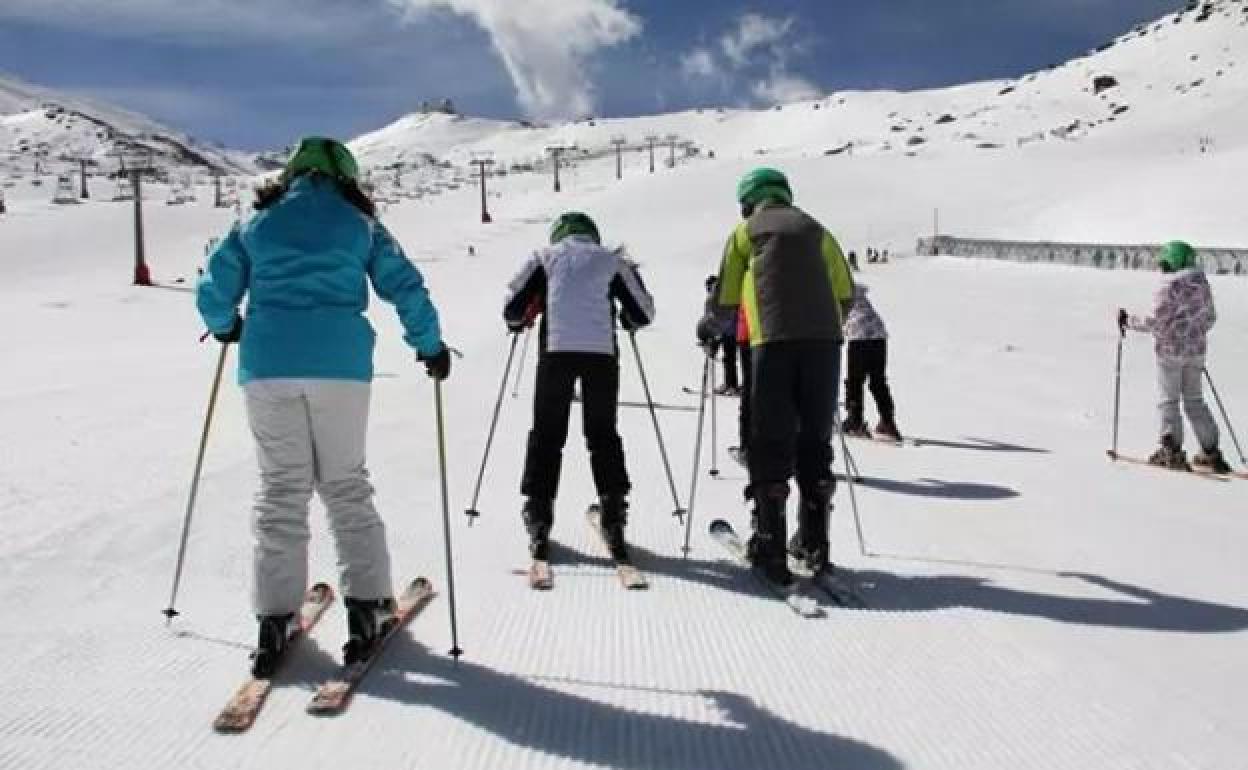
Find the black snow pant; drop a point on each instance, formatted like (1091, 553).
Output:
(747, 382)
(792, 407)
(557, 374)
(867, 362)
(729, 345)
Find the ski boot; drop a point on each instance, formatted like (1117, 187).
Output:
(538, 514)
(275, 632)
(887, 428)
(853, 424)
(368, 622)
(1169, 455)
(809, 544)
(613, 518)
(765, 548)
(1211, 460)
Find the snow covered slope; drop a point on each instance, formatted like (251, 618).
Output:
(41, 126)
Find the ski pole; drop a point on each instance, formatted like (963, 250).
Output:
(524, 350)
(1122, 335)
(472, 513)
(455, 650)
(170, 612)
(1225, 418)
(851, 463)
(853, 499)
(714, 471)
(697, 452)
(654, 417)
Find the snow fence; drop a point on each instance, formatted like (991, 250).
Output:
(1109, 256)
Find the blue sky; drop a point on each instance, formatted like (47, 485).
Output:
(256, 74)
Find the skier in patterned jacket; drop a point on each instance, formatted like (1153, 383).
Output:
(304, 263)
(790, 279)
(574, 285)
(867, 361)
(1183, 314)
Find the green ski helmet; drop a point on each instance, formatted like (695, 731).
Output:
(1176, 256)
(763, 184)
(316, 153)
(573, 223)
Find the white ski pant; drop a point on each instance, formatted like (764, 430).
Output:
(311, 435)
(1179, 379)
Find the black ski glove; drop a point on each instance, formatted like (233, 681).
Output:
(437, 365)
(233, 335)
(708, 334)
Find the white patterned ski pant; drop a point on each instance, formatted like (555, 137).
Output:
(311, 436)
(1179, 379)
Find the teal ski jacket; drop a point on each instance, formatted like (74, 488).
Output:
(304, 265)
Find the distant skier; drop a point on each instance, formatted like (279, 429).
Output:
(727, 343)
(574, 285)
(1183, 314)
(305, 364)
(853, 260)
(867, 361)
(790, 278)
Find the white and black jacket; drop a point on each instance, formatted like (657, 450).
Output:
(575, 285)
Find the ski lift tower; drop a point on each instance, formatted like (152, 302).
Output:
(619, 143)
(83, 160)
(650, 140)
(483, 161)
(555, 152)
(671, 140)
(134, 164)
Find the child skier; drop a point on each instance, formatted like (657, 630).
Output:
(731, 384)
(790, 278)
(305, 364)
(574, 285)
(1183, 314)
(867, 361)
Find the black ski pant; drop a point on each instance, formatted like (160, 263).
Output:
(557, 374)
(866, 363)
(728, 343)
(792, 407)
(747, 382)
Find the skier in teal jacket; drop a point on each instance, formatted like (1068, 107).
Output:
(304, 263)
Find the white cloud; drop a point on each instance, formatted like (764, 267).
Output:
(699, 63)
(753, 31)
(545, 45)
(782, 88)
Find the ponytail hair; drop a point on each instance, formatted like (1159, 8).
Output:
(270, 193)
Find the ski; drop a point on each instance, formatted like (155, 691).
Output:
(332, 697)
(904, 442)
(240, 711)
(831, 584)
(695, 392)
(793, 596)
(643, 405)
(630, 577)
(540, 576)
(1195, 471)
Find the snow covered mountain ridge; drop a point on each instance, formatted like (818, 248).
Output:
(41, 128)
(1174, 84)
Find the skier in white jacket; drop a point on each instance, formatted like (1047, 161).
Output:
(574, 284)
(1183, 314)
